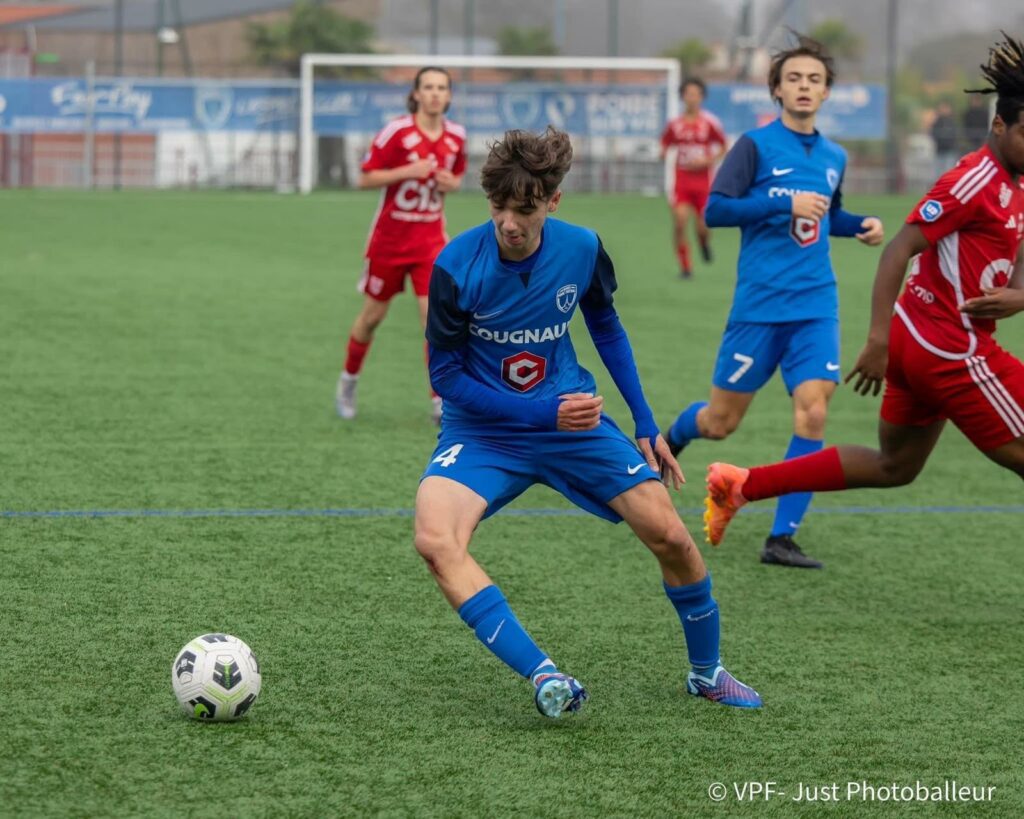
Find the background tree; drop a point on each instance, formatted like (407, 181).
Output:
(309, 27)
(526, 42)
(692, 54)
(839, 40)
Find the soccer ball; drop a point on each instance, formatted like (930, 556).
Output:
(216, 677)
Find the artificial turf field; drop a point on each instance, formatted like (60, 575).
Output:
(170, 359)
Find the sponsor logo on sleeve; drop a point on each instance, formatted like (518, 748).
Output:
(930, 210)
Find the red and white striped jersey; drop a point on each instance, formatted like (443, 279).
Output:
(692, 138)
(409, 223)
(973, 219)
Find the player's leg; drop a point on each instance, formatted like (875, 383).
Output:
(603, 472)
(810, 409)
(989, 408)
(747, 358)
(700, 201)
(902, 453)
(682, 212)
(647, 508)
(380, 282)
(1010, 456)
(810, 370)
(448, 509)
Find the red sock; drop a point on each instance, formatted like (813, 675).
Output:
(426, 356)
(356, 353)
(818, 472)
(683, 252)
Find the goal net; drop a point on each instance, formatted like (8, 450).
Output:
(613, 108)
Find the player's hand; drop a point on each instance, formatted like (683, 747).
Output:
(421, 168)
(997, 303)
(873, 233)
(660, 459)
(579, 411)
(809, 205)
(870, 368)
(446, 180)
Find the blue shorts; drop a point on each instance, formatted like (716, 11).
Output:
(589, 468)
(750, 353)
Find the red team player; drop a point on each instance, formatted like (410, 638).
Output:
(416, 159)
(699, 142)
(937, 354)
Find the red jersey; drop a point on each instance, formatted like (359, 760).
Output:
(693, 139)
(973, 219)
(409, 223)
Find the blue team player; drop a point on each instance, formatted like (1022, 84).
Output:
(781, 184)
(520, 410)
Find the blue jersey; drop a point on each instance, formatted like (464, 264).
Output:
(784, 272)
(499, 331)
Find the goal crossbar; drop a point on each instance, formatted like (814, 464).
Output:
(673, 76)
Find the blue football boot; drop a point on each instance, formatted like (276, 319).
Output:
(557, 693)
(724, 688)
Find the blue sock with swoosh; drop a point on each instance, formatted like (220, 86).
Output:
(790, 511)
(684, 429)
(698, 612)
(487, 612)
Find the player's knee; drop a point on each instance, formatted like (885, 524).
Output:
(673, 543)
(810, 419)
(436, 549)
(371, 321)
(717, 427)
(900, 473)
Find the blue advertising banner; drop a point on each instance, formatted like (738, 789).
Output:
(56, 105)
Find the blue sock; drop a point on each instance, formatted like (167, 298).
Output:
(685, 429)
(488, 614)
(790, 511)
(698, 612)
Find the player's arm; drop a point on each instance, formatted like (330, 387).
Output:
(665, 142)
(448, 335)
(869, 369)
(867, 229)
(447, 181)
(450, 179)
(382, 177)
(716, 147)
(732, 203)
(1000, 302)
(385, 163)
(613, 346)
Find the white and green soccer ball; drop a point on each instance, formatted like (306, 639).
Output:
(216, 677)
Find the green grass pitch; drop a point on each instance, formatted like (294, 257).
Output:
(178, 351)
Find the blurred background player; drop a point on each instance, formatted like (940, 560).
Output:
(520, 410)
(417, 159)
(935, 349)
(781, 184)
(697, 140)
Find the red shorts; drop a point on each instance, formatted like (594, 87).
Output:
(983, 395)
(691, 191)
(383, 278)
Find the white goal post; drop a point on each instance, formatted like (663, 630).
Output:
(310, 62)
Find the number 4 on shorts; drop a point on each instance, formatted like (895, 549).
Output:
(447, 458)
(746, 362)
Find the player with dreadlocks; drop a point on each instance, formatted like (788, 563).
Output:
(934, 345)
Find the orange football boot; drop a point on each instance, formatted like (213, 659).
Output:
(724, 500)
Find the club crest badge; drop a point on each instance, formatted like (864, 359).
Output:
(565, 298)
